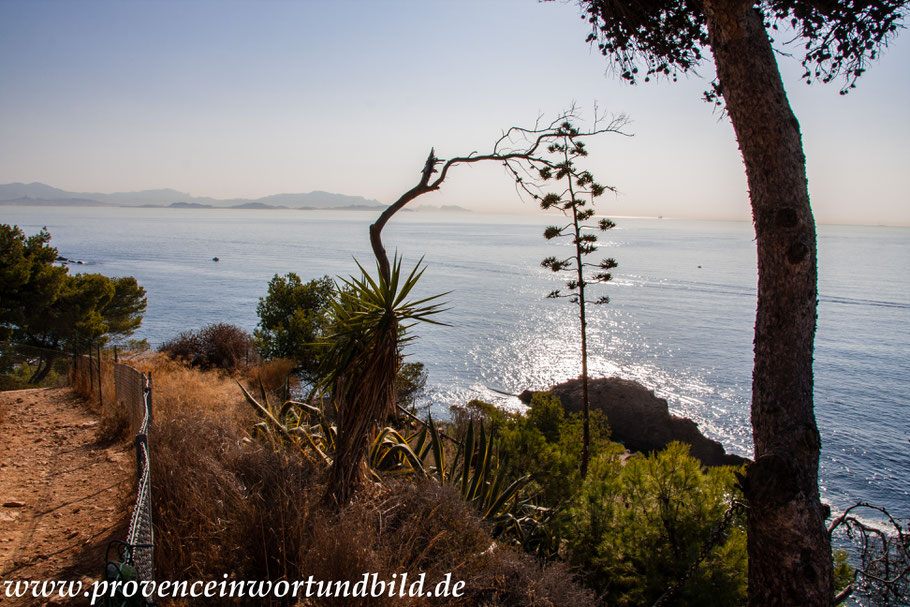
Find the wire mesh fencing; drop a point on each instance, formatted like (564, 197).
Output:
(130, 386)
(134, 393)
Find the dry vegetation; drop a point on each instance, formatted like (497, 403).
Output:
(225, 503)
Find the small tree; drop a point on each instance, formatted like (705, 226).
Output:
(292, 318)
(42, 305)
(369, 318)
(576, 200)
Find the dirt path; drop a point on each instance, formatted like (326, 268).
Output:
(63, 495)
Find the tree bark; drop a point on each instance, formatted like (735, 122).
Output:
(45, 364)
(788, 546)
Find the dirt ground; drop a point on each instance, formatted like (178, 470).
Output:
(63, 496)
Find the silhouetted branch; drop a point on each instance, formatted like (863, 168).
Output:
(522, 151)
(884, 553)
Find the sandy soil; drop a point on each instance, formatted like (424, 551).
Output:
(63, 496)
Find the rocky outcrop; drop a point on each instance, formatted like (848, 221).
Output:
(639, 419)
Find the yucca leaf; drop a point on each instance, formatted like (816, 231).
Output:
(265, 396)
(265, 412)
(452, 476)
(376, 445)
(438, 451)
(310, 409)
(313, 445)
(480, 466)
(423, 446)
(468, 459)
(506, 496)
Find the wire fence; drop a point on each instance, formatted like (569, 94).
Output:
(99, 376)
(134, 393)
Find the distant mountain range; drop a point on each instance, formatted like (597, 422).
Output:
(39, 194)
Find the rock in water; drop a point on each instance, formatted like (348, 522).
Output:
(639, 419)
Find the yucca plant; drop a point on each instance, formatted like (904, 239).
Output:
(369, 318)
(474, 467)
(479, 473)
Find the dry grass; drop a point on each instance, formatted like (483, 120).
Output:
(177, 388)
(273, 374)
(223, 505)
(419, 527)
(227, 504)
(115, 424)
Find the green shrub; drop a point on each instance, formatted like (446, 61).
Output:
(292, 318)
(636, 529)
(546, 443)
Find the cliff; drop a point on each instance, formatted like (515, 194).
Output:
(639, 419)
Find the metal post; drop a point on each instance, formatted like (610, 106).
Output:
(149, 400)
(91, 371)
(100, 391)
(141, 441)
(116, 359)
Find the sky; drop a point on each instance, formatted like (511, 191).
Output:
(246, 99)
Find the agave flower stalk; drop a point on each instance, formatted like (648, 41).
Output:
(576, 201)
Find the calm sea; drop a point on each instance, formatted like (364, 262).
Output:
(680, 318)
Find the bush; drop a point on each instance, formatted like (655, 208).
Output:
(636, 528)
(545, 443)
(411, 383)
(216, 346)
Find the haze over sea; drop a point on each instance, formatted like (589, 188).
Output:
(680, 319)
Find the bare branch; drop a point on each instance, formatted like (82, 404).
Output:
(520, 150)
(883, 552)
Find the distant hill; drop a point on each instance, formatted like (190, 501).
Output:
(257, 205)
(446, 208)
(186, 205)
(44, 195)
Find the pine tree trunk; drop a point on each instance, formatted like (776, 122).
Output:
(788, 546)
(45, 364)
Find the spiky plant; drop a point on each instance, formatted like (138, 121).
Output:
(576, 200)
(369, 318)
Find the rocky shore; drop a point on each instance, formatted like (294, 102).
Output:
(639, 419)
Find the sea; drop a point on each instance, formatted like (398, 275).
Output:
(680, 318)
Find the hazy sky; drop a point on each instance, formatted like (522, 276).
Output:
(245, 99)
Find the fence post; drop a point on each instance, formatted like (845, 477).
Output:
(91, 371)
(116, 359)
(141, 442)
(149, 400)
(100, 383)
